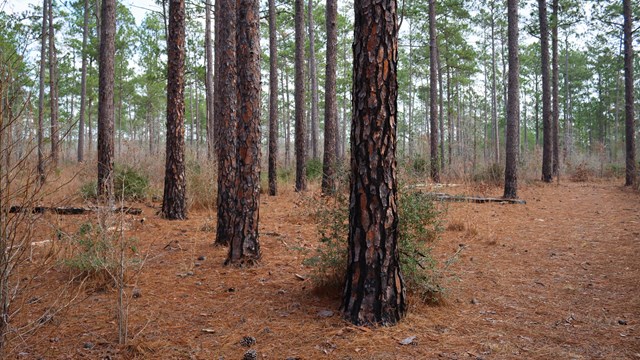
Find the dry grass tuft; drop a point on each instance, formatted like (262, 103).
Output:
(455, 225)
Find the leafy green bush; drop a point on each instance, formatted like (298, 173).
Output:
(418, 227)
(128, 184)
(314, 169)
(492, 174)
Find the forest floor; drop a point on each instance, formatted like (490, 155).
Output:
(557, 278)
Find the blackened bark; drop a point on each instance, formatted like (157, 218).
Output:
(547, 149)
(106, 108)
(554, 86)
(41, 167)
(174, 204)
(225, 107)
(513, 104)
(330, 105)
(433, 91)
(374, 291)
(244, 248)
(273, 101)
(313, 74)
(53, 90)
(630, 144)
(83, 82)
(300, 136)
(209, 83)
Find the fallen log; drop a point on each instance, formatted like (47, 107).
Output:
(73, 210)
(474, 199)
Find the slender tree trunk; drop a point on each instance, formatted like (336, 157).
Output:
(210, 125)
(630, 144)
(555, 112)
(300, 137)
(41, 166)
(273, 101)
(285, 114)
(494, 101)
(513, 104)
(53, 90)
(374, 291)
(106, 108)
(330, 106)
(537, 110)
(409, 131)
(567, 142)
(244, 247)
(433, 91)
(547, 149)
(313, 73)
(83, 82)
(449, 115)
(226, 118)
(441, 110)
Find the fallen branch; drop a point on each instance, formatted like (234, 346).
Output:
(72, 210)
(474, 199)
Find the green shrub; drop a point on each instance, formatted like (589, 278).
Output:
(314, 169)
(128, 184)
(492, 174)
(418, 228)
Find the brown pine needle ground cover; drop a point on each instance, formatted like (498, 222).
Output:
(558, 278)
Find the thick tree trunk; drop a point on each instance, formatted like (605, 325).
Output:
(433, 91)
(300, 136)
(313, 74)
(330, 105)
(554, 86)
(273, 101)
(547, 150)
(374, 291)
(41, 167)
(226, 118)
(513, 104)
(83, 82)
(106, 108)
(174, 202)
(210, 125)
(244, 248)
(53, 90)
(630, 144)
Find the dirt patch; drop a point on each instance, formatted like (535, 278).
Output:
(555, 278)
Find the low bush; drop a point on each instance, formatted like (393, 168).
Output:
(314, 169)
(128, 184)
(418, 227)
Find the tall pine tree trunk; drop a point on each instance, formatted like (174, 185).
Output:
(433, 91)
(244, 248)
(53, 90)
(374, 291)
(330, 105)
(547, 150)
(300, 136)
(41, 166)
(630, 144)
(106, 108)
(83, 82)
(226, 118)
(513, 104)
(494, 101)
(313, 74)
(210, 124)
(554, 86)
(273, 101)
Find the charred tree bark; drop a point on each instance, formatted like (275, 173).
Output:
(547, 150)
(630, 144)
(83, 82)
(330, 102)
(244, 248)
(513, 104)
(53, 90)
(41, 167)
(174, 204)
(106, 106)
(273, 101)
(210, 125)
(433, 91)
(226, 118)
(300, 136)
(374, 291)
